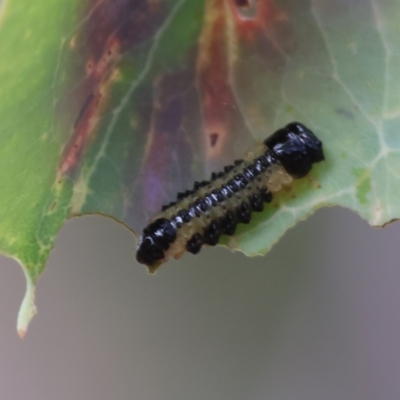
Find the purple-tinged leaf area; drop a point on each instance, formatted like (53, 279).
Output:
(138, 124)
(114, 106)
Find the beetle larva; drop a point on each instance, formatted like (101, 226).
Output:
(214, 208)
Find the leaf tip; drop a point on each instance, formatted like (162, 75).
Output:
(28, 308)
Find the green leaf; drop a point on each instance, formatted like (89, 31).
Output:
(113, 107)
(340, 77)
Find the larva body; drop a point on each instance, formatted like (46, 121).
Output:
(215, 207)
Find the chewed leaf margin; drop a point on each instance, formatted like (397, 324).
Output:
(112, 107)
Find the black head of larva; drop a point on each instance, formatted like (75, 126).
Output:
(296, 148)
(155, 240)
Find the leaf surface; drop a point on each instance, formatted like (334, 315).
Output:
(112, 107)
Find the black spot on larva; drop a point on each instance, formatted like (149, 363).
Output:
(215, 175)
(249, 173)
(168, 206)
(262, 163)
(194, 243)
(201, 205)
(258, 167)
(254, 170)
(267, 160)
(226, 192)
(270, 158)
(241, 180)
(209, 199)
(177, 220)
(256, 202)
(266, 195)
(228, 168)
(243, 213)
(216, 193)
(184, 215)
(184, 195)
(212, 234)
(194, 211)
(233, 186)
(228, 223)
(198, 185)
(231, 197)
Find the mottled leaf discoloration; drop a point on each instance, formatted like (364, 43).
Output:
(112, 107)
